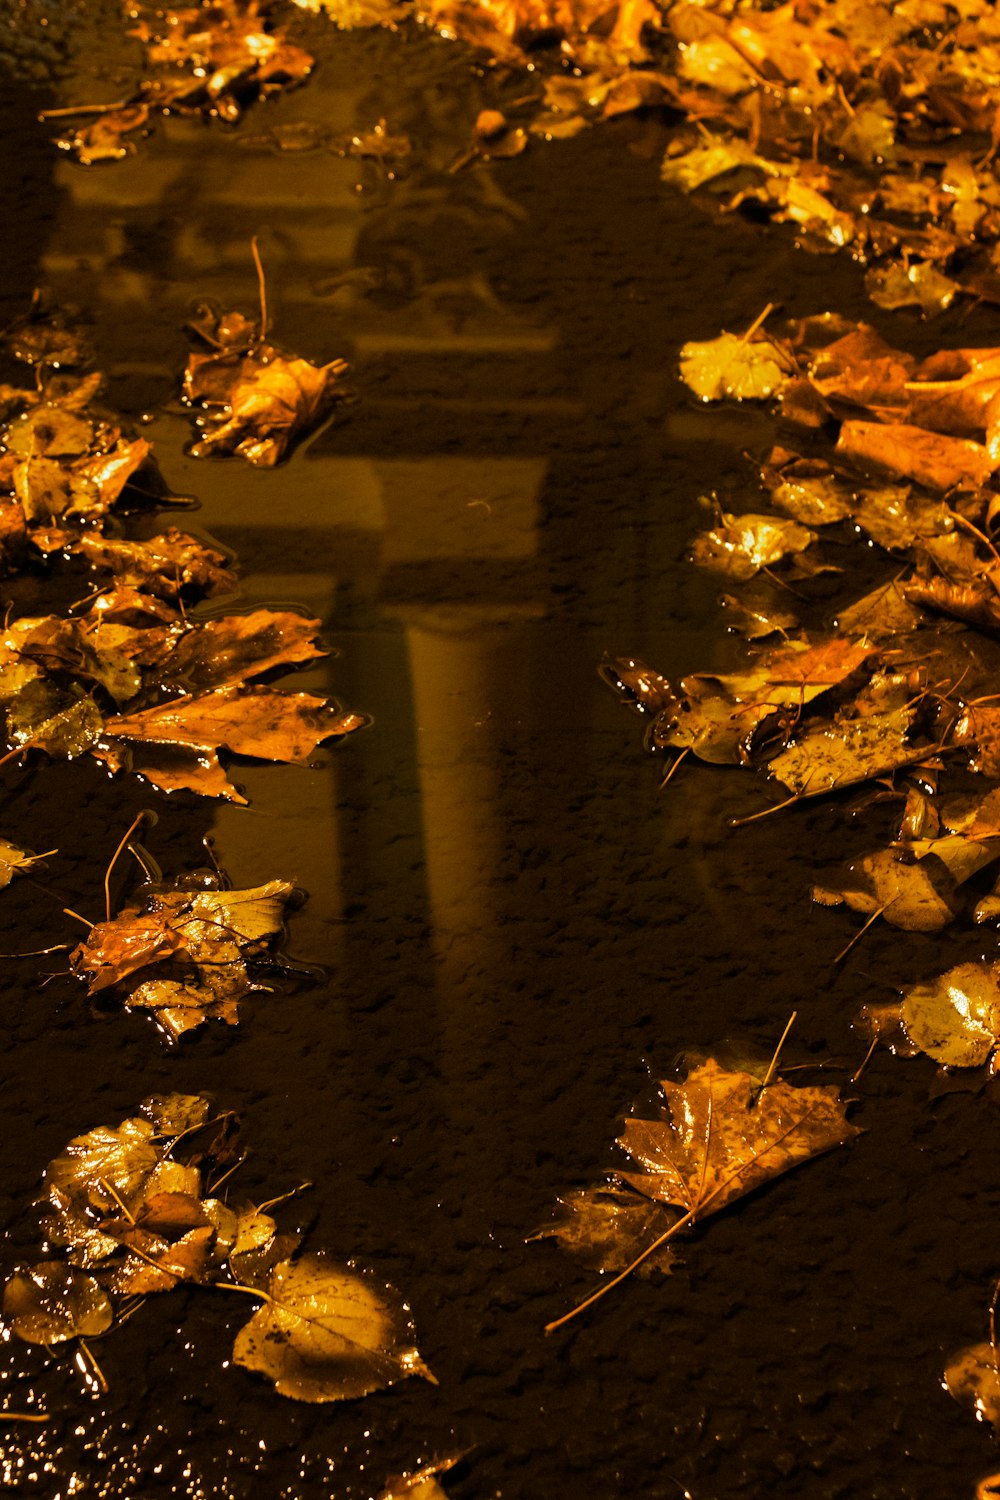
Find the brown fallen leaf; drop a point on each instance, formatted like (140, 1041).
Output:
(955, 1018)
(182, 955)
(722, 1134)
(166, 565)
(254, 721)
(932, 459)
(260, 402)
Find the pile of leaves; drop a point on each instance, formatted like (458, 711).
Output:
(181, 953)
(868, 125)
(903, 455)
(210, 60)
(129, 677)
(134, 1209)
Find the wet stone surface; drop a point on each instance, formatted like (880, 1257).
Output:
(518, 931)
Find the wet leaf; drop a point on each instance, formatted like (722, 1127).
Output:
(842, 754)
(721, 1136)
(13, 860)
(932, 459)
(955, 1018)
(740, 546)
(184, 957)
(908, 894)
(422, 1484)
(90, 1179)
(175, 1114)
(328, 1333)
(166, 565)
(255, 721)
(258, 403)
(607, 1227)
(973, 1378)
(51, 1302)
(918, 284)
(732, 367)
(225, 652)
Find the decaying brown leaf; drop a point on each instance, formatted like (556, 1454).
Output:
(52, 1302)
(260, 402)
(182, 955)
(13, 860)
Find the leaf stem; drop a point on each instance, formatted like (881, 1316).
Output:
(774, 1060)
(137, 822)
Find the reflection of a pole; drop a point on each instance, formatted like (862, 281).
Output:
(452, 677)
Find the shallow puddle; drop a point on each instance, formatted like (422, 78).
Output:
(511, 932)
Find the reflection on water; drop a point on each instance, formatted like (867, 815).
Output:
(517, 926)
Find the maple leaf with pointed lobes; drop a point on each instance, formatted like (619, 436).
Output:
(722, 1136)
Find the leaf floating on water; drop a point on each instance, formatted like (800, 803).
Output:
(607, 1227)
(13, 860)
(973, 1378)
(740, 546)
(255, 721)
(328, 1333)
(259, 403)
(955, 1018)
(906, 894)
(423, 1483)
(51, 1302)
(184, 956)
(918, 284)
(736, 368)
(721, 1136)
(842, 754)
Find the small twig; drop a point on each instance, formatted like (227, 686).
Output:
(262, 286)
(758, 322)
(69, 912)
(860, 934)
(856, 1076)
(109, 1187)
(24, 1416)
(17, 750)
(81, 109)
(303, 1187)
(137, 822)
(95, 1372)
(237, 1286)
(766, 812)
(214, 1187)
(970, 526)
(684, 753)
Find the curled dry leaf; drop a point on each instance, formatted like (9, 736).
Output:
(328, 1333)
(258, 403)
(51, 1302)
